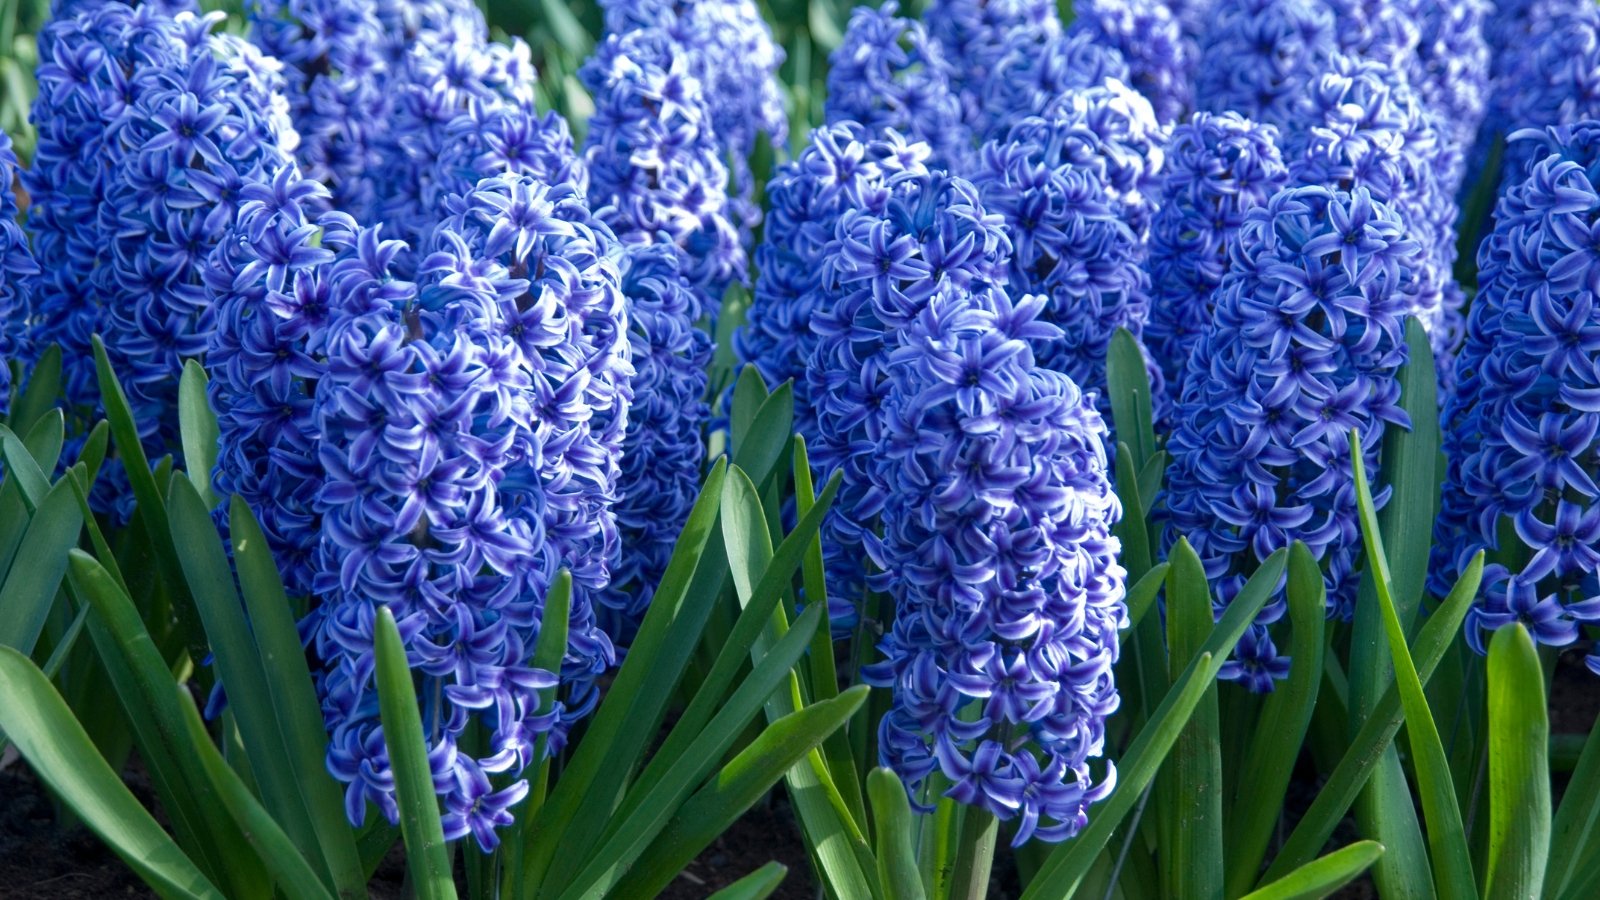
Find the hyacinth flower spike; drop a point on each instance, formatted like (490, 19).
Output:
(1307, 340)
(471, 427)
(17, 269)
(1519, 432)
(996, 549)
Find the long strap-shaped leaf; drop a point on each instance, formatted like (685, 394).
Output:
(1385, 810)
(294, 875)
(1319, 878)
(1189, 789)
(1282, 728)
(893, 827)
(1447, 839)
(758, 885)
(1519, 773)
(147, 691)
(603, 760)
(1576, 831)
(59, 751)
(30, 588)
(1366, 749)
(648, 814)
(735, 789)
(296, 711)
(1068, 863)
(427, 856)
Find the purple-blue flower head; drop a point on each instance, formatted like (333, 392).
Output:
(1359, 124)
(1258, 55)
(997, 551)
(881, 268)
(470, 427)
(1162, 60)
(655, 169)
(1218, 168)
(973, 36)
(1554, 79)
(888, 73)
(1305, 345)
(1071, 247)
(1520, 429)
(729, 49)
(17, 269)
(1036, 68)
(1110, 129)
(337, 75)
(663, 453)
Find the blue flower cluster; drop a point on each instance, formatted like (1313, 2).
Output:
(1521, 426)
(1218, 168)
(729, 49)
(1554, 78)
(151, 126)
(884, 263)
(663, 453)
(1450, 70)
(272, 293)
(997, 551)
(1035, 69)
(17, 268)
(1071, 246)
(1359, 124)
(655, 168)
(336, 72)
(443, 66)
(471, 424)
(1307, 338)
(1111, 129)
(973, 36)
(888, 73)
(1258, 56)
(1161, 59)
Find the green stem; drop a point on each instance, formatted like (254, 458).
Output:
(974, 855)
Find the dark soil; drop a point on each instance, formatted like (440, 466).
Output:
(40, 859)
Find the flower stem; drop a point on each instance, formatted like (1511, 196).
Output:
(974, 855)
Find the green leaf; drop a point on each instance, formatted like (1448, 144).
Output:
(295, 708)
(427, 856)
(1142, 596)
(838, 842)
(648, 813)
(239, 665)
(765, 440)
(59, 751)
(1447, 839)
(1150, 478)
(93, 454)
(1189, 789)
(1128, 383)
(1368, 746)
(282, 858)
(42, 392)
(198, 425)
(824, 681)
(1322, 877)
(149, 495)
(749, 393)
(1519, 774)
(1386, 810)
(735, 789)
(30, 588)
(1068, 863)
(606, 756)
(147, 691)
(26, 468)
(758, 885)
(893, 827)
(1281, 730)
